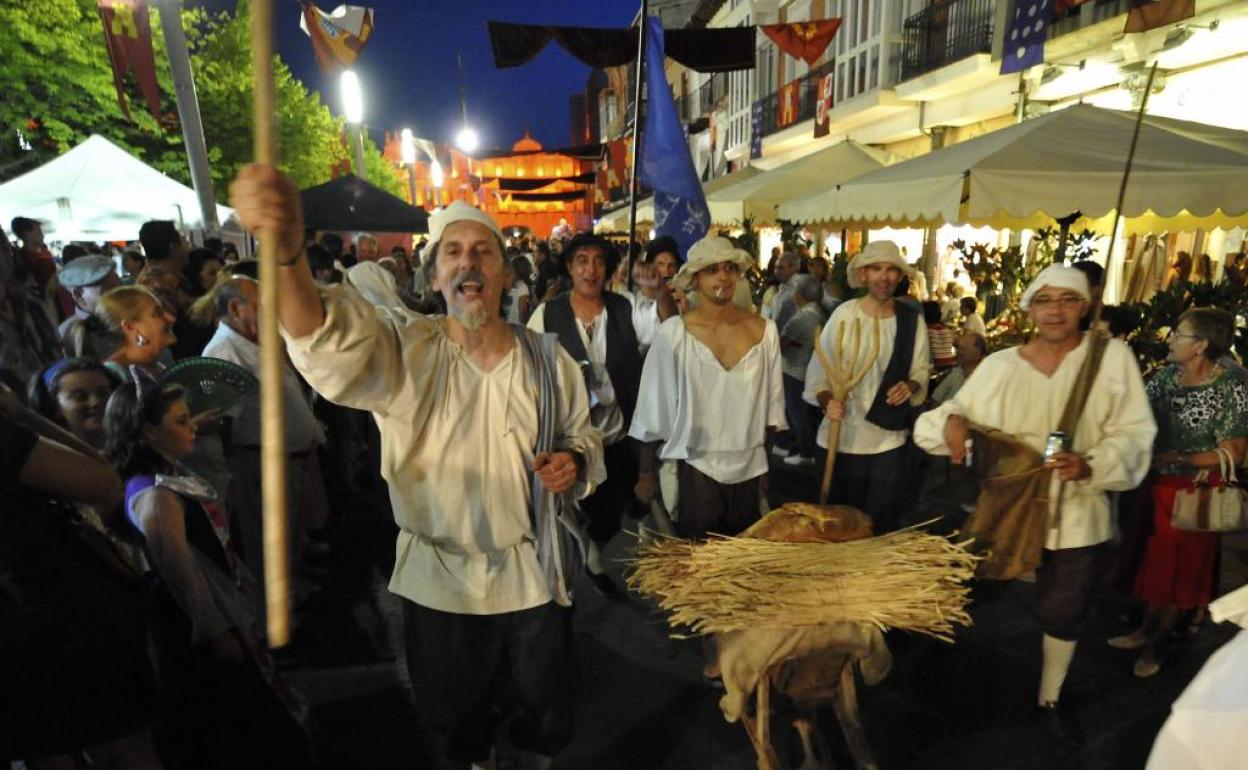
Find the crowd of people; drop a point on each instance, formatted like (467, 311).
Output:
(519, 399)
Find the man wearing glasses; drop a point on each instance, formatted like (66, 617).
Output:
(1023, 391)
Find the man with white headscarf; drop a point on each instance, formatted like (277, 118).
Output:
(485, 433)
(1023, 391)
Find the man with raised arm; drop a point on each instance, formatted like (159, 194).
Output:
(485, 430)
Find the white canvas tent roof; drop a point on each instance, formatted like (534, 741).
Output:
(98, 191)
(1184, 176)
(759, 193)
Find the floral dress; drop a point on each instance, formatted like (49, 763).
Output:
(1178, 567)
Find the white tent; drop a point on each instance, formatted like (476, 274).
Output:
(1185, 176)
(98, 191)
(759, 193)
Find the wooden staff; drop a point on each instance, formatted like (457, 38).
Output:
(272, 434)
(841, 378)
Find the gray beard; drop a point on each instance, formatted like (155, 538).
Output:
(472, 321)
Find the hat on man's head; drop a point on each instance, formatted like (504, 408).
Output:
(711, 250)
(1059, 277)
(86, 271)
(875, 253)
(456, 212)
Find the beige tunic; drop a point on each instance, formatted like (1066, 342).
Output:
(1115, 434)
(457, 446)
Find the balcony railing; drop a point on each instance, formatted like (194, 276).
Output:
(777, 115)
(945, 32)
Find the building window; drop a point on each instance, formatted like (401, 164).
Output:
(608, 109)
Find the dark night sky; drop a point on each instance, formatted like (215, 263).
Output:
(409, 73)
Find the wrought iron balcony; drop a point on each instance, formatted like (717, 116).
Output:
(945, 32)
(778, 115)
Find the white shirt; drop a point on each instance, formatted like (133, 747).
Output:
(302, 431)
(645, 318)
(974, 324)
(1115, 434)
(858, 435)
(604, 410)
(715, 419)
(517, 293)
(456, 448)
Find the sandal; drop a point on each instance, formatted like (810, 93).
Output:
(1128, 642)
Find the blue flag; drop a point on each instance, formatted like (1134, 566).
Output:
(665, 165)
(1029, 28)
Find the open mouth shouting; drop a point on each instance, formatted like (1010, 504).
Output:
(469, 285)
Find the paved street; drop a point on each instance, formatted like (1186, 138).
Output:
(642, 703)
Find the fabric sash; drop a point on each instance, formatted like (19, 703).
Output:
(898, 370)
(561, 541)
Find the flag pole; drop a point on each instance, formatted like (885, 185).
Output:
(188, 112)
(272, 436)
(634, 185)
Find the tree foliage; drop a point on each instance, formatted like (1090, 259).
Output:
(60, 91)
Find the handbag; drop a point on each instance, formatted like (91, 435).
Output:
(1207, 507)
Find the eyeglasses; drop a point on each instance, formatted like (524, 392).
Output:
(1064, 301)
(1175, 333)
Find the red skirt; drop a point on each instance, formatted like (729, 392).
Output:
(1178, 567)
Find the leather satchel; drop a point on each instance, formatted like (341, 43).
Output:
(1210, 507)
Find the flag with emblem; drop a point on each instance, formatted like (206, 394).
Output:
(665, 164)
(338, 36)
(1024, 42)
(756, 130)
(128, 36)
(805, 40)
(823, 121)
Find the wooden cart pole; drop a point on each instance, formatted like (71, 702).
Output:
(272, 436)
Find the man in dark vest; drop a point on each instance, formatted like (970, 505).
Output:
(595, 327)
(877, 415)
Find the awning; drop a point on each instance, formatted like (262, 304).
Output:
(1184, 176)
(761, 194)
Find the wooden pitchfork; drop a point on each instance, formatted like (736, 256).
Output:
(842, 377)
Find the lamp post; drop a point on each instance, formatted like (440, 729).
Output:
(407, 145)
(353, 110)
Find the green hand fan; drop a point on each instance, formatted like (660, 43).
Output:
(211, 383)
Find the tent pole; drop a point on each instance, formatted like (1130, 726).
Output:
(272, 424)
(1126, 176)
(634, 184)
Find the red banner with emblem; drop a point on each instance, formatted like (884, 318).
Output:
(128, 35)
(805, 40)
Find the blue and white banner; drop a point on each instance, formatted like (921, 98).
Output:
(1024, 42)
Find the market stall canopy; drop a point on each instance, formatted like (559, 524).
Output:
(616, 220)
(759, 193)
(98, 191)
(350, 203)
(1184, 176)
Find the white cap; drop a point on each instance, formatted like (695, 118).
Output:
(1059, 277)
(456, 212)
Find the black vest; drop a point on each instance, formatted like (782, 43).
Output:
(623, 358)
(898, 370)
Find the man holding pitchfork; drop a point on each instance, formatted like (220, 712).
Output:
(871, 368)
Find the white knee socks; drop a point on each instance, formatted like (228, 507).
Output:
(1057, 654)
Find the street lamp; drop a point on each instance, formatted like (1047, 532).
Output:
(353, 110)
(408, 149)
(467, 139)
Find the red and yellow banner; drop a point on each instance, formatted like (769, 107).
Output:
(128, 35)
(806, 40)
